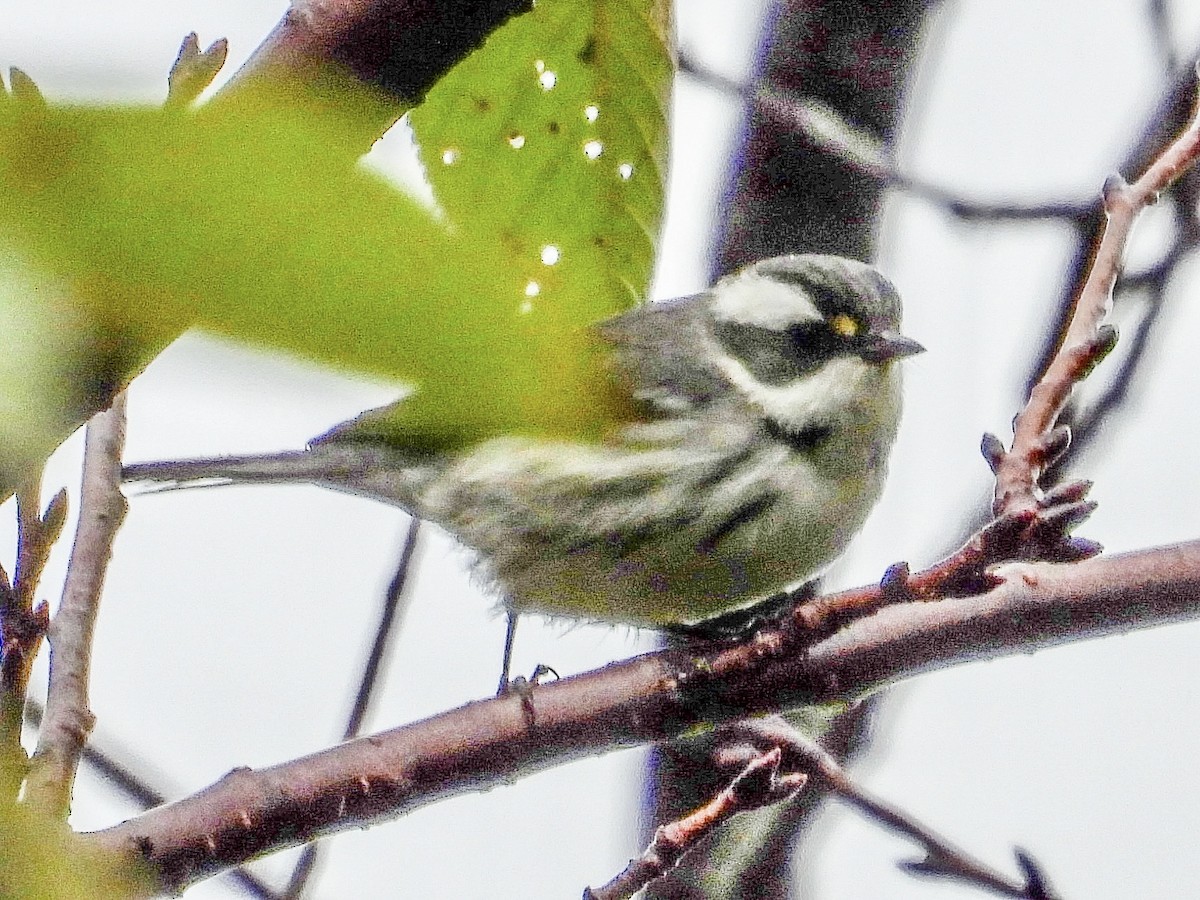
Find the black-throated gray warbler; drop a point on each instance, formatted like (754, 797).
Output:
(772, 404)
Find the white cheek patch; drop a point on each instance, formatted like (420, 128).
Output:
(751, 299)
(826, 396)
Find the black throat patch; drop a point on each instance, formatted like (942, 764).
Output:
(804, 440)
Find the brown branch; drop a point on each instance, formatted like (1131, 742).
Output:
(650, 698)
(68, 719)
(121, 777)
(23, 624)
(942, 858)
(397, 48)
(759, 784)
(865, 153)
(1086, 340)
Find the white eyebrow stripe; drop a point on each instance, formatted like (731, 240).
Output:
(752, 299)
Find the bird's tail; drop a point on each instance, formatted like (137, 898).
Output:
(367, 470)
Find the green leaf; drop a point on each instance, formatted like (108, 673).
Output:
(550, 142)
(43, 860)
(123, 227)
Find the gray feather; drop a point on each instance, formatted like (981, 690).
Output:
(659, 348)
(369, 470)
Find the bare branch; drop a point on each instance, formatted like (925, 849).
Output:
(1086, 341)
(23, 624)
(865, 153)
(759, 784)
(68, 719)
(650, 698)
(942, 858)
(124, 780)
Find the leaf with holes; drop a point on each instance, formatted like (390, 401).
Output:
(548, 146)
(551, 141)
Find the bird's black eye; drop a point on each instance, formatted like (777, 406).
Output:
(812, 341)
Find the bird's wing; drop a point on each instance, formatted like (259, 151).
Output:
(660, 348)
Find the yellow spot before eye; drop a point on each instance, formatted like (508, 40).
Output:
(844, 325)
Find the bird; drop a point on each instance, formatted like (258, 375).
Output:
(769, 404)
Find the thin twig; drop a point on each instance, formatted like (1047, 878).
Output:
(1154, 282)
(867, 154)
(391, 612)
(942, 858)
(1018, 469)
(23, 623)
(68, 719)
(759, 784)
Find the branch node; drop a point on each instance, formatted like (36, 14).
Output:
(993, 450)
(1115, 186)
(1037, 887)
(894, 584)
(23, 88)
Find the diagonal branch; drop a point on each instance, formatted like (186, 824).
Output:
(650, 698)
(124, 780)
(1085, 341)
(867, 154)
(398, 48)
(942, 858)
(759, 784)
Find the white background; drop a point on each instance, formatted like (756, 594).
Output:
(235, 620)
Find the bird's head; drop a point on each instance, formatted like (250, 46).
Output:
(809, 340)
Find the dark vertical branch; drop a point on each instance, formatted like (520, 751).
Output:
(788, 195)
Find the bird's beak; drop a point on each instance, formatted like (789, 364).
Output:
(884, 346)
